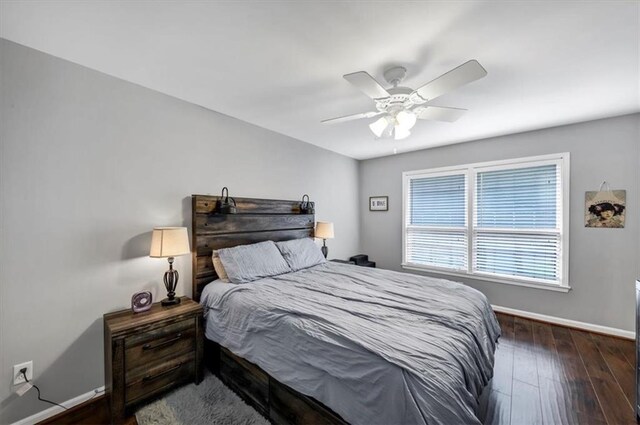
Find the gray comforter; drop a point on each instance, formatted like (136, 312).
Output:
(376, 346)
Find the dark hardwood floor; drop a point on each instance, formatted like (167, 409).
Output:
(548, 374)
(544, 374)
(91, 412)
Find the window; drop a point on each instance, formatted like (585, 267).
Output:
(504, 221)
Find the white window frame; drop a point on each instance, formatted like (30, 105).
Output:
(471, 170)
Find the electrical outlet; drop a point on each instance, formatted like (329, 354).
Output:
(18, 377)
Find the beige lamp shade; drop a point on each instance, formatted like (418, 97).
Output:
(324, 230)
(169, 242)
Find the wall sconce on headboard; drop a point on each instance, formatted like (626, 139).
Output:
(225, 205)
(306, 207)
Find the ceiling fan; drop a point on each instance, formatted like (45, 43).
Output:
(400, 107)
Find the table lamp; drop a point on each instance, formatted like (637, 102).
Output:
(324, 231)
(169, 242)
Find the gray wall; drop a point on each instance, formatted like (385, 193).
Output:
(89, 164)
(603, 262)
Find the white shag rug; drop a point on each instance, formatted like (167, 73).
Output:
(210, 403)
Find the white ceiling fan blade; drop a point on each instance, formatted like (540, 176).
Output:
(464, 74)
(352, 117)
(367, 84)
(439, 113)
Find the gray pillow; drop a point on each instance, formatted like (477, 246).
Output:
(246, 263)
(301, 253)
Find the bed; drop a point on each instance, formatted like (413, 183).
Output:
(336, 343)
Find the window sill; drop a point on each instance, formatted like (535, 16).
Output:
(492, 279)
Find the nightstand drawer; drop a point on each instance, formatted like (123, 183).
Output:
(160, 332)
(150, 381)
(166, 344)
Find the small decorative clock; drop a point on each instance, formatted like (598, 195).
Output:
(141, 301)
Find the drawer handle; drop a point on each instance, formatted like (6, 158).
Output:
(164, 372)
(162, 344)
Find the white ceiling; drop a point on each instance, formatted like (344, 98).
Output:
(279, 64)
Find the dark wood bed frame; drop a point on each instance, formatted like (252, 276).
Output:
(257, 220)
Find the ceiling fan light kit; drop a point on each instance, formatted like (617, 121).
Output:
(397, 126)
(400, 107)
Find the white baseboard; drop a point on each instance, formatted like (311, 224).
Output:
(54, 410)
(567, 322)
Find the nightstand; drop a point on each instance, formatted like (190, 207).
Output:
(362, 260)
(357, 260)
(336, 260)
(151, 352)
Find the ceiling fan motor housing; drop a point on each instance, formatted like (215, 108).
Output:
(401, 98)
(395, 75)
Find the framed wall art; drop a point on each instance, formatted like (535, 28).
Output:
(378, 203)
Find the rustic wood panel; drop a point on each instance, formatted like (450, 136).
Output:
(206, 204)
(160, 378)
(246, 379)
(217, 224)
(287, 406)
(199, 349)
(200, 282)
(168, 331)
(204, 266)
(121, 322)
(171, 345)
(207, 243)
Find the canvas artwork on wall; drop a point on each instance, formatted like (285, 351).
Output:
(605, 208)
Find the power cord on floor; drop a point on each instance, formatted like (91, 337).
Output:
(23, 371)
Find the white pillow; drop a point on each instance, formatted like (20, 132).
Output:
(301, 253)
(246, 263)
(219, 268)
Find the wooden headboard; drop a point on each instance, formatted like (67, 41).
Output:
(257, 220)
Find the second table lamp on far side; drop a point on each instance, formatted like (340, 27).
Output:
(169, 242)
(324, 231)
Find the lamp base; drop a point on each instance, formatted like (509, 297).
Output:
(325, 250)
(170, 301)
(170, 282)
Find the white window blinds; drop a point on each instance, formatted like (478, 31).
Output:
(437, 221)
(504, 220)
(516, 222)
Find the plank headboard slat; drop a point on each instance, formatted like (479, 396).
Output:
(257, 220)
